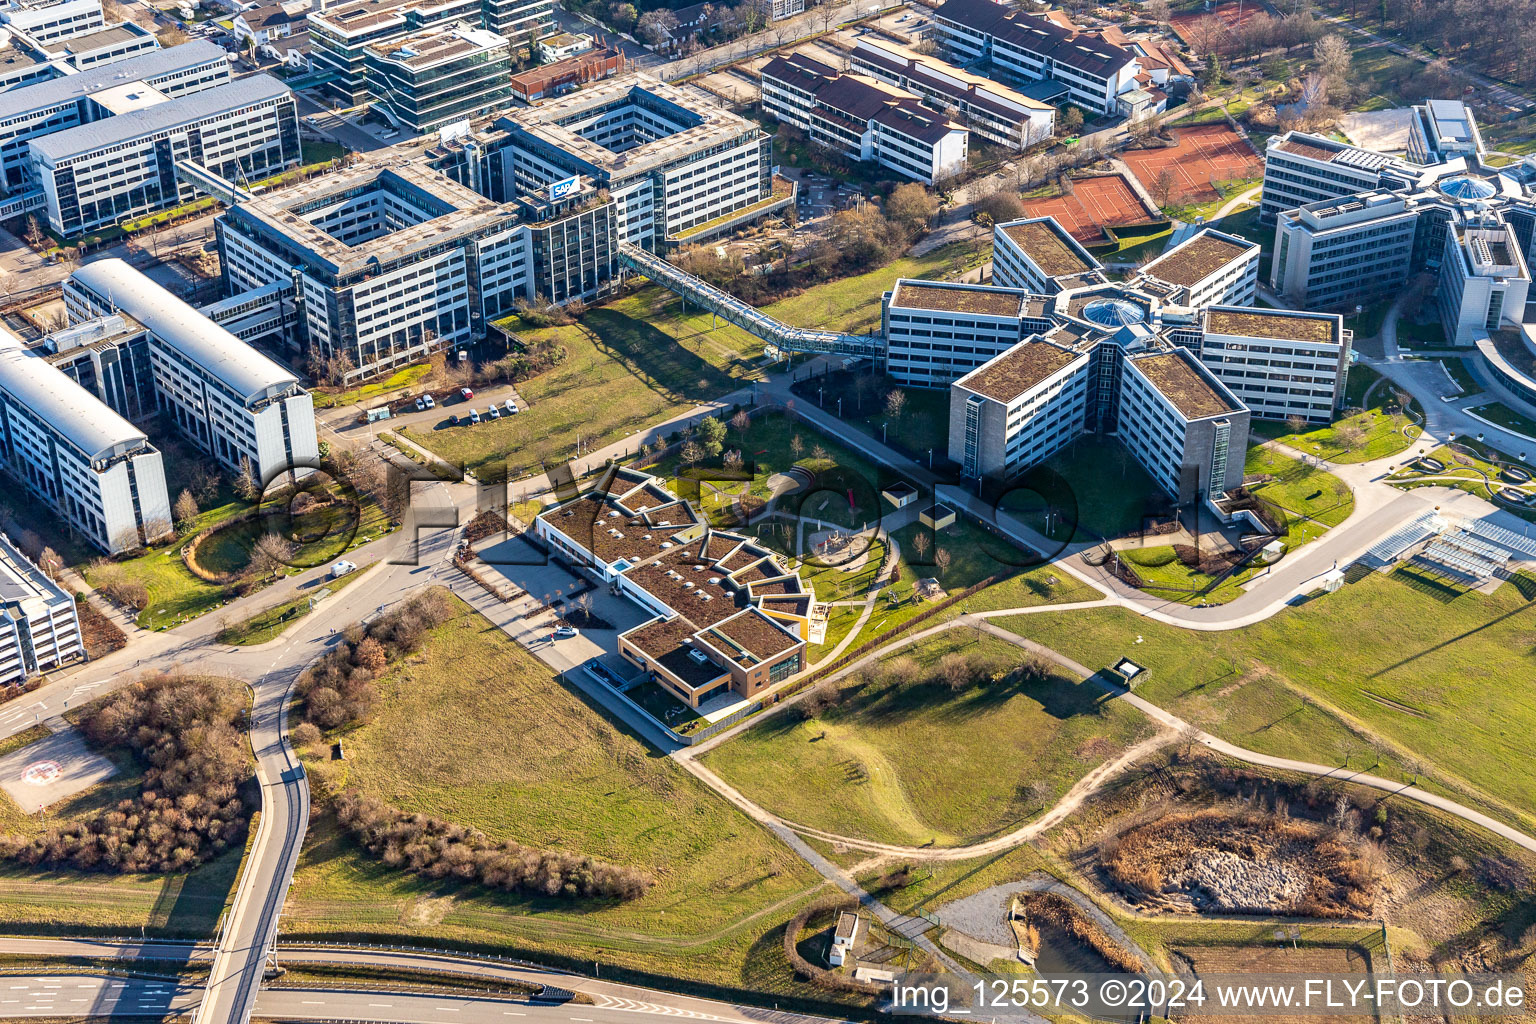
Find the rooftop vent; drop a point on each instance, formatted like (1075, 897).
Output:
(698, 656)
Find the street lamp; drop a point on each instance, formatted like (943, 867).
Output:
(818, 398)
(883, 426)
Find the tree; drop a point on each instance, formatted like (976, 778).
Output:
(1206, 34)
(820, 454)
(185, 510)
(656, 27)
(1162, 188)
(171, 35)
(1297, 423)
(732, 459)
(998, 207)
(35, 236)
(1071, 120)
(796, 447)
(920, 544)
(269, 555)
(1160, 11)
(711, 436)
(895, 402)
(623, 16)
(370, 655)
(942, 559)
(50, 562)
(912, 207)
(1210, 77)
(692, 452)
(741, 421)
(1333, 62)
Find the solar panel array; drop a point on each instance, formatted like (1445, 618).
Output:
(1502, 537)
(1390, 548)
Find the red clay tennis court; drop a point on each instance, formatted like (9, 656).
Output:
(1200, 156)
(1094, 203)
(1231, 16)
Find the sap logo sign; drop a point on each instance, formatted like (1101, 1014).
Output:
(561, 189)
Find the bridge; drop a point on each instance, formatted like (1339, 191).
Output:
(201, 178)
(775, 333)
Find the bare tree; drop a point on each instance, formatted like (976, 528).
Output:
(270, 554)
(796, 446)
(895, 402)
(942, 559)
(921, 544)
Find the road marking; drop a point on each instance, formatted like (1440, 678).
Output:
(447, 1009)
(313, 1002)
(505, 1013)
(383, 1005)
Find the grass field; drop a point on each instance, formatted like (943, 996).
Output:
(1091, 488)
(1313, 499)
(1163, 575)
(271, 623)
(640, 359)
(1385, 669)
(476, 731)
(914, 762)
(1377, 431)
(1504, 416)
(401, 378)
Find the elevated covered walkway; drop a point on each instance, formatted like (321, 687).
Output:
(775, 333)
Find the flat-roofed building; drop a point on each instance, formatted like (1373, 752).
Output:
(96, 174)
(1182, 424)
(45, 22)
(726, 613)
(1208, 267)
(1034, 47)
(62, 102)
(442, 75)
(342, 34)
(1301, 169)
(1441, 130)
(1037, 254)
(862, 119)
(95, 469)
(389, 264)
(1018, 408)
(1280, 363)
(937, 332)
(1343, 251)
(39, 624)
(104, 45)
(987, 108)
(242, 408)
(677, 167)
(1483, 282)
(547, 80)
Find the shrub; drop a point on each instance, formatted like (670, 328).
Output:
(435, 848)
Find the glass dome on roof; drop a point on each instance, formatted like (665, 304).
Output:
(1113, 312)
(1464, 187)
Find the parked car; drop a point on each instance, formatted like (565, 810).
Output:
(466, 394)
(421, 403)
(474, 415)
(454, 420)
(342, 568)
(431, 402)
(511, 406)
(565, 632)
(494, 412)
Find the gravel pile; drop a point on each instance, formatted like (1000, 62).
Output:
(1223, 881)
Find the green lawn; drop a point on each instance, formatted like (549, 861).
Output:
(1412, 335)
(1375, 432)
(1504, 416)
(852, 304)
(476, 731)
(1312, 499)
(1163, 575)
(1424, 670)
(271, 623)
(913, 762)
(922, 424)
(629, 364)
(1090, 489)
(401, 378)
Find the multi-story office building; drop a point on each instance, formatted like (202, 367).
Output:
(988, 109)
(1208, 267)
(1038, 255)
(1019, 408)
(1186, 429)
(105, 45)
(1032, 47)
(57, 104)
(45, 22)
(1341, 251)
(1280, 363)
(109, 357)
(1301, 169)
(341, 35)
(439, 76)
(861, 119)
(95, 469)
(936, 332)
(39, 624)
(678, 168)
(242, 408)
(729, 618)
(1483, 280)
(1442, 130)
(388, 264)
(96, 174)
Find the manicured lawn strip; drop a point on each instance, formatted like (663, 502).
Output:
(476, 731)
(1165, 576)
(270, 623)
(840, 622)
(1412, 335)
(1504, 416)
(629, 364)
(915, 762)
(401, 378)
(1416, 667)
